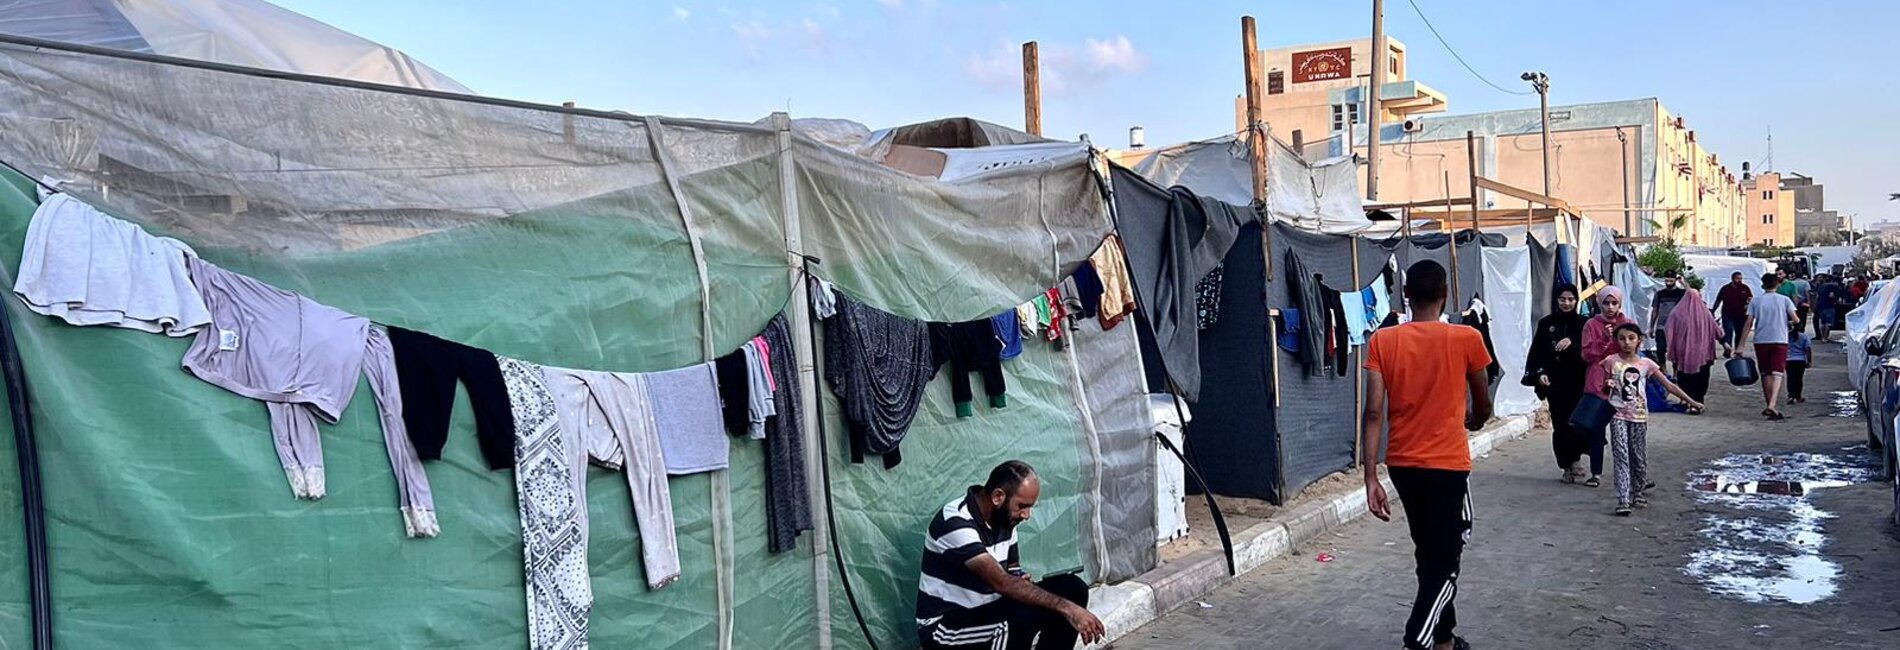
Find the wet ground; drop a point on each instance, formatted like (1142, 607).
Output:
(1759, 535)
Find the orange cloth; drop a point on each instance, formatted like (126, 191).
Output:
(1118, 295)
(1424, 366)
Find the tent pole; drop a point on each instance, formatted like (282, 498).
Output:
(1359, 382)
(32, 503)
(803, 352)
(1256, 132)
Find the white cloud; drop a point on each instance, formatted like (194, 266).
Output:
(1116, 54)
(828, 11)
(681, 13)
(1066, 67)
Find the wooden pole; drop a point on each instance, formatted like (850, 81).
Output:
(1451, 229)
(1256, 132)
(1032, 89)
(1359, 377)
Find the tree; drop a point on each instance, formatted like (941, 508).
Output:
(1665, 256)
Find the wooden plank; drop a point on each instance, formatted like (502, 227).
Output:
(1519, 193)
(1032, 89)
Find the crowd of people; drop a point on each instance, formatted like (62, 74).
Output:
(1597, 363)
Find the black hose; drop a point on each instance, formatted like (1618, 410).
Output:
(824, 468)
(32, 502)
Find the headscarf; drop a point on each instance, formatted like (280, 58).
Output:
(1692, 333)
(1598, 344)
(1611, 290)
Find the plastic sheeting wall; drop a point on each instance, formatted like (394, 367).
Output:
(1319, 196)
(1232, 436)
(1468, 280)
(1507, 292)
(1316, 417)
(1110, 376)
(560, 238)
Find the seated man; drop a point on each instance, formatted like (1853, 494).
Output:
(974, 594)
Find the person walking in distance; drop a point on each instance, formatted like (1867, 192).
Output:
(1695, 335)
(1799, 352)
(1770, 318)
(1663, 307)
(1599, 343)
(1429, 379)
(1555, 361)
(1625, 376)
(1732, 300)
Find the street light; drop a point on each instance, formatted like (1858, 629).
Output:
(1541, 82)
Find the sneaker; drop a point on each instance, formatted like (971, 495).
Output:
(1622, 510)
(1649, 485)
(1640, 501)
(1593, 482)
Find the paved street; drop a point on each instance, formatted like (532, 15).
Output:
(1810, 562)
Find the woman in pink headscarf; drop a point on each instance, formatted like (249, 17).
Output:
(1693, 333)
(1599, 343)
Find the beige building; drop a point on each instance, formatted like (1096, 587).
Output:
(1604, 156)
(1771, 215)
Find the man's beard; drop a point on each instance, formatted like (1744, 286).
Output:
(1000, 521)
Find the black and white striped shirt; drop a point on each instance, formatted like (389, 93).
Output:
(957, 533)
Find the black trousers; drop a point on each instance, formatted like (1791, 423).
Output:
(1438, 510)
(1010, 625)
(1696, 384)
(1662, 348)
(1566, 442)
(1797, 372)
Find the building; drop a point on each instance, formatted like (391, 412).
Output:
(1770, 210)
(1814, 224)
(1316, 90)
(1631, 165)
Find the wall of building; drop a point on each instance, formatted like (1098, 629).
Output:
(1308, 106)
(1771, 215)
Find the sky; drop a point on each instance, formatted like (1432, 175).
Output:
(1735, 69)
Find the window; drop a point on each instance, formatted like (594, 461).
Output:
(1339, 112)
(1768, 195)
(1392, 64)
(1352, 112)
(1768, 218)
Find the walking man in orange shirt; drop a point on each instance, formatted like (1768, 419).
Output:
(1422, 374)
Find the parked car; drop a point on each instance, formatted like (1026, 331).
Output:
(1873, 366)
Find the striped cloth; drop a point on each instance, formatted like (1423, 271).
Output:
(956, 535)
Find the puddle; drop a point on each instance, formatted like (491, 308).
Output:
(1843, 404)
(1763, 538)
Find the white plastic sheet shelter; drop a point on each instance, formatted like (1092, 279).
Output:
(1320, 196)
(1716, 269)
(250, 33)
(1507, 292)
(1827, 257)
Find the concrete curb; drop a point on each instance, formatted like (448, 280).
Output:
(1127, 606)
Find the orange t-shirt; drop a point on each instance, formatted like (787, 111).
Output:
(1424, 366)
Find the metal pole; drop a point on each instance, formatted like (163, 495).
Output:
(1622, 146)
(1375, 112)
(1543, 111)
(1032, 89)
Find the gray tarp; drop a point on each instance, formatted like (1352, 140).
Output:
(1109, 370)
(1318, 196)
(1468, 277)
(1173, 239)
(1316, 417)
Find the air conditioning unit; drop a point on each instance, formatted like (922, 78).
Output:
(1413, 125)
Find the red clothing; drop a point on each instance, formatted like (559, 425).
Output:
(1772, 357)
(1424, 367)
(1734, 299)
(1599, 344)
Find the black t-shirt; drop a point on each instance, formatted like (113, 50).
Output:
(1665, 302)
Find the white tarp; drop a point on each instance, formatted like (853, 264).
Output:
(1715, 269)
(1319, 196)
(1507, 291)
(1829, 256)
(250, 33)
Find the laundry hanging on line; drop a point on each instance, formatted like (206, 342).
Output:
(969, 347)
(878, 364)
(85, 267)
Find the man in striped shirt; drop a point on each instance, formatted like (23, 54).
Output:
(974, 593)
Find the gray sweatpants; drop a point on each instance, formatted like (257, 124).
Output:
(1629, 444)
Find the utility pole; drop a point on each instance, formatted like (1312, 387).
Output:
(1622, 148)
(1375, 111)
(1541, 82)
(1257, 141)
(1032, 89)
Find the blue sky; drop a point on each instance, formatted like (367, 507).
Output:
(1733, 68)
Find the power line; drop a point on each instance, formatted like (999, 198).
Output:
(1461, 60)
